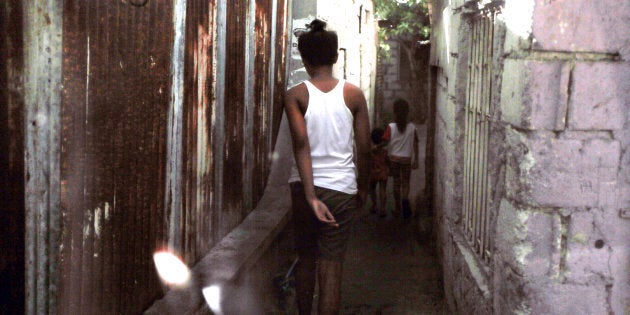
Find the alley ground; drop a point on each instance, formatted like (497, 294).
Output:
(391, 266)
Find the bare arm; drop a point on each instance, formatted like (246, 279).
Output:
(358, 105)
(302, 154)
(414, 163)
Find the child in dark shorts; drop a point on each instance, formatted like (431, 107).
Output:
(378, 173)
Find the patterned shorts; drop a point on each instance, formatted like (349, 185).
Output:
(401, 173)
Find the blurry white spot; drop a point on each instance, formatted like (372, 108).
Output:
(212, 294)
(170, 268)
(518, 17)
(86, 231)
(87, 225)
(97, 221)
(275, 156)
(563, 26)
(41, 120)
(108, 209)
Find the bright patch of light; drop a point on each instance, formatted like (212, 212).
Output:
(446, 20)
(212, 294)
(170, 268)
(518, 17)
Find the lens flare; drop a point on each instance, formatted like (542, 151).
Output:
(212, 294)
(171, 269)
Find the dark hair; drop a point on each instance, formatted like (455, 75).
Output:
(318, 46)
(401, 109)
(377, 135)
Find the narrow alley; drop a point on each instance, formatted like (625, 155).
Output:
(145, 155)
(392, 265)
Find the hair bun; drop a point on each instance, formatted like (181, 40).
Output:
(317, 25)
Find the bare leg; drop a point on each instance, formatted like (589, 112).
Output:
(405, 177)
(397, 184)
(305, 284)
(382, 187)
(373, 207)
(329, 276)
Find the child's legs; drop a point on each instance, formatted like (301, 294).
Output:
(372, 194)
(405, 174)
(382, 190)
(395, 171)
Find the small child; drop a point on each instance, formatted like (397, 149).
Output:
(378, 173)
(402, 149)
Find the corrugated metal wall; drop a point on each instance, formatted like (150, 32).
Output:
(11, 159)
(197, 222)
(130, 141)
(234, 114)
(116, 82)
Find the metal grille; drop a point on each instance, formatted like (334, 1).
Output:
(476, 214)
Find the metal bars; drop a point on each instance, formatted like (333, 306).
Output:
(478, 93)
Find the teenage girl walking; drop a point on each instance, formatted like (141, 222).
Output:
(402, 149)
(328, 118)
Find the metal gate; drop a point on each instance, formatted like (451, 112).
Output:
(476, 214)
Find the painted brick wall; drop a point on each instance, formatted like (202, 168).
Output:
(560, 166)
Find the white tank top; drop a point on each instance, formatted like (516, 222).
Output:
(401, 143)
(329, 126)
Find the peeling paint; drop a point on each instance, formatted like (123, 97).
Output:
(521, 251)
(580, 238)
(98, 213)
(87, 225)
(526, 164)
(108, 211)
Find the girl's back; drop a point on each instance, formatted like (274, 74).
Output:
(400, 142)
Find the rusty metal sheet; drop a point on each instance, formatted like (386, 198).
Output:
(198, 174)
(11, 158)
(234, 108)
(114, 102)
(262, 98)
(280, 70)
(116, 146)
(42, 78)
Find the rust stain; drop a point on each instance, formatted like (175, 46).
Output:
(113, 131)
(114, 121)
(12, 157)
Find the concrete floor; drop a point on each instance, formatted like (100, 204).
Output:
(391, 265)
(389, 269)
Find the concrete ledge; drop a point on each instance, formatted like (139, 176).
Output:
(477, 271)
(238, 251)
(235, 254)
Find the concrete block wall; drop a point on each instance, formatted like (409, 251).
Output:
(391, 87)
(560, 161)
(565, 102)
